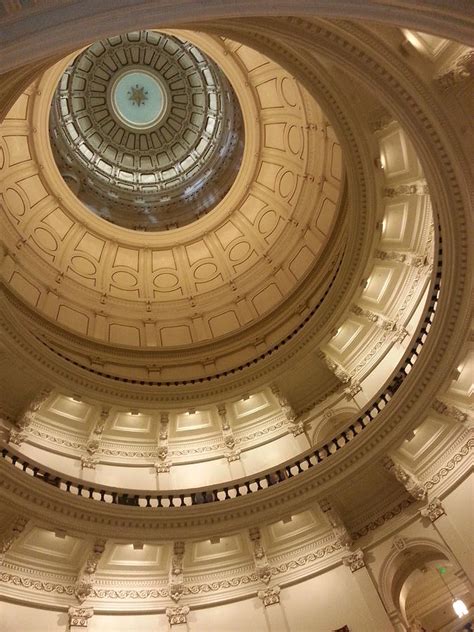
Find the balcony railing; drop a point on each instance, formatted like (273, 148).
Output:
(247, 485)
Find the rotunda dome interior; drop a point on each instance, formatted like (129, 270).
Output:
(235, 340)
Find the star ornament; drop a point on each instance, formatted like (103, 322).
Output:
(137, 95)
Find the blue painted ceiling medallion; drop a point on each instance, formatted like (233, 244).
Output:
(138, 99)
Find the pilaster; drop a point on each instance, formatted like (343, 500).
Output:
(441, 522)
(355, 562)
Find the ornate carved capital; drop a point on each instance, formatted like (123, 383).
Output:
(433, 510)
(352, 390)
(297, 428)
(354, 561)
(163, 467)
(17, 437)
(89, 462)
(233, 455)
(177, 615)
(79, 617)
(269, 596)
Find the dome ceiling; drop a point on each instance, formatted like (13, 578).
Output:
(146, 130)
(212, 279)
(273, 364)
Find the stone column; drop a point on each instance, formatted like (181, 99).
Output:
(447, 531)
(274, 613)
(356, 564)
(236, 466)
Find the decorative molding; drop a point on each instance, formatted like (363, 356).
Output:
(85, 579)
(417, 188)
(335, 368)
(262, 567)
(36, 584)
(12, 534)
(461, 71)
(448, 410)
(140, 594)
(379, 119)
(382, 519)
(409, 482)
(176, 579)
(342, 535)
(444, 471)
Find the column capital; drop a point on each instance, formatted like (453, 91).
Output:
(79, 617)
(269, 596)
(354, 561)
(433, 510)
(177, 615)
